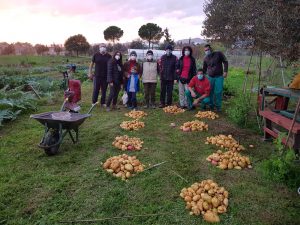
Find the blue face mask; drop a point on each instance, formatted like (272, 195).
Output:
(200, 76)
(208, 52)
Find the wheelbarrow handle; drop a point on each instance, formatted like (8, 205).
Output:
(93, 105)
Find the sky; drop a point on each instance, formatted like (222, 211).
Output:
(53, 21)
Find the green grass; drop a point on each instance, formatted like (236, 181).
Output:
(37, 189)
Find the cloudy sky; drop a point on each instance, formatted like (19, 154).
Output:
(53, 21)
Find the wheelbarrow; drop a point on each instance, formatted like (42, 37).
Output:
(57, 127)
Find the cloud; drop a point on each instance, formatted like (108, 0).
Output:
(56, 19)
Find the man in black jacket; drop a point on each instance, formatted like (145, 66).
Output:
(167, 76)
(213, 66)
(100, 60)
(186, 70)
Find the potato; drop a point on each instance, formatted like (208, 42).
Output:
(128, 167)
(211, 217)
(135, 114)
(173, 110)
(187, 199)
(215, 202)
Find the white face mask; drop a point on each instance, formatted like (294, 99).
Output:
(117, 57)
(102, 49)
(132, 57)
(149, 57)
(168, 52)
(186, 53)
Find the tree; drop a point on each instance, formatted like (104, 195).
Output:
(150, 32)
(168, 37)
(9, 50)
(77, 43)
(57, 49)
(137, 44)
(113, 33)
(40, 49)
(267, 26)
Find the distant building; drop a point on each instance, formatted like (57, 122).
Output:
(141, 53)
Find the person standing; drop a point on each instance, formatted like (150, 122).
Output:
(114, 79)
(167, 76)
(186, 69)
(150, 70)
(198, 91)
(100, 60)
(132, 62)
(132, 88)
(213, 65)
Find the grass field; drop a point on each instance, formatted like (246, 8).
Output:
(37, 189)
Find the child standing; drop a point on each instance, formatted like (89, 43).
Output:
(132, 88)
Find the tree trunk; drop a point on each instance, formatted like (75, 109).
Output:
(77, 52)
(149, 44)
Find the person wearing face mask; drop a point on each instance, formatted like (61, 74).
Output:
(198, 91)
(186, 69)
(114, 79)
(132, 62)
(100, 60)
(167, 76)
(150, 69)
(132, 88)
(213, 65)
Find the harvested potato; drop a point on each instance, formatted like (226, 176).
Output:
(229, 160)
(207, 114)
(173, 110)
(195, 125)
(123, 166)
(226, 142)
(128, 143)
(135, 114)
(206, 198)
(132, 125)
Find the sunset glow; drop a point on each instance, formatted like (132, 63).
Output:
(48, 22)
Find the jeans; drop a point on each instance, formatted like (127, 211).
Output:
(99, 83)
(216, 92)
(190, 100)
(182, 97)
(113, 94)
(132, 102)
(166, 89)
(149, 89)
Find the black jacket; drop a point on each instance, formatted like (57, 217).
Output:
(114, 75)
(213, 64)
(168, 67)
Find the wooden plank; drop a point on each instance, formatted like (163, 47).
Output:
(281, 121)
(274, 134)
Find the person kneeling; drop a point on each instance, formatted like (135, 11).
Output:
(198, 91)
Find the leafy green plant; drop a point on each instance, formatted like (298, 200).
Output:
(282, 166)
(239, 109)
(8, 115)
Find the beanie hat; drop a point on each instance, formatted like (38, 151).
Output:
(133, 53)
(149, 52)
(169, 47)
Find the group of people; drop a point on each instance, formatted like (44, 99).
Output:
(202, 86)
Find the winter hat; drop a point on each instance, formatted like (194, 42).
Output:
(149, 52)
(133, 53)
(169, 47)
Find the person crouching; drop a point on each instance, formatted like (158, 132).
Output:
(132, 88)
(198, 91)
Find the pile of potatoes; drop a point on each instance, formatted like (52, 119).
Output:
(126, 143)
(132, 125)
(207, 114)
(226, 142)
(173, 109)
(123, 166)
(229, 160)
(136, 114)
(206, 198)
(195, 125)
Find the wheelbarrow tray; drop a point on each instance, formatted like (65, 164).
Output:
(56, 130)
(69, 124)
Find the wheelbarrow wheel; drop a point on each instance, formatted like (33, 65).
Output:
(51, 138)
(52, 151)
